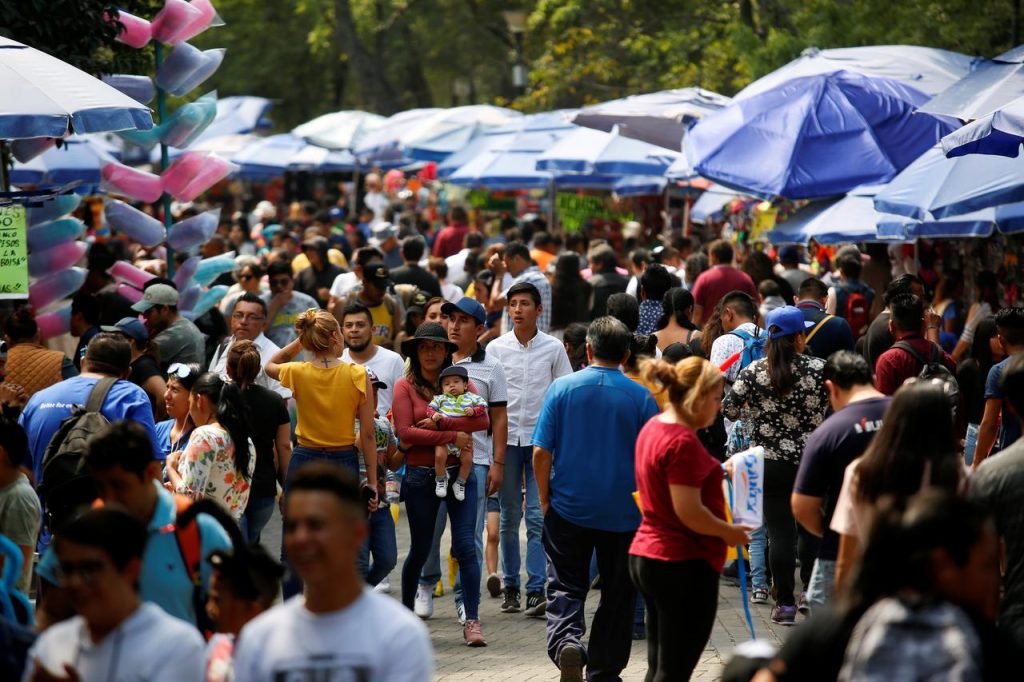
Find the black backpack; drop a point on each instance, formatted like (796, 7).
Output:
(933, 369)
(66, 482)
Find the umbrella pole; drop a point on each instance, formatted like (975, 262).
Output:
(551, 205)
(165, 198)
(353, 209)
(4, 157)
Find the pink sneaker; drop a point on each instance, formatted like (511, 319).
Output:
(473, 634)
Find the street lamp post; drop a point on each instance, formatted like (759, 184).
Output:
(516, 22)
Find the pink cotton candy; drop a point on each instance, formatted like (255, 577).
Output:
(56, 258)
(176, 16)
(181, 171)
(214, 170)
(52, 288)
(55, 323)
(129, 292)
(121, 179)
(206, 17)
(128, 273)
(136, 32)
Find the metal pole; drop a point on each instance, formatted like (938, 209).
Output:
(4, 179)
(165, 199)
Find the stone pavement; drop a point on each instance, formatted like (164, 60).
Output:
(516, 644)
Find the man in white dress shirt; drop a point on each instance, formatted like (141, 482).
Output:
(248, 319)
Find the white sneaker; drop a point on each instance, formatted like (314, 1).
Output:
(424, 605)
(459, 490)
(460, 611)
(441, 487)
(384, 586)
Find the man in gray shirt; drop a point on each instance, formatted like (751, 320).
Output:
(998, 484)
(177, 338)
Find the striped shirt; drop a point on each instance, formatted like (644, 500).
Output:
(488, 376)
(532, 275)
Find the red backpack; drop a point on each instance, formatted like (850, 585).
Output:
(857, 313)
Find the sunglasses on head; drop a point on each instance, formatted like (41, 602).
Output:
(179, 370)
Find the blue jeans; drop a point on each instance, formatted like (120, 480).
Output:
(345, 458)
(381, 544)
(519, 459)
(256, 516)
(432, 569)
(421, 505)
(823, 578)
(758, 565)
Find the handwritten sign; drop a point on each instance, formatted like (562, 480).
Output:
(748, 487)
(13, 253)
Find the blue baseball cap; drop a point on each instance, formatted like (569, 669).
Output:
(785, 321)
(131, 327)
(468, 306)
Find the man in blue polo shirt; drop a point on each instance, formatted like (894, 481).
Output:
(825, 333)
(583, 463)
(121, 459)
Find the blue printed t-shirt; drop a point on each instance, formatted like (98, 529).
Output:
(589, 422)
(1009, 429)
(46, 409)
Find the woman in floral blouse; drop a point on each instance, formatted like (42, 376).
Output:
(219, 460)
(782, 399)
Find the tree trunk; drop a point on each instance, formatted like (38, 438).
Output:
(376, 91)
(415, 79)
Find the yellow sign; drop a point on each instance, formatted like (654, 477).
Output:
(13, 253)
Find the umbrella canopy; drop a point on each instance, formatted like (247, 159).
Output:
(640, 185)
(711, 202)
(237, 116)
(923, 68)
(1007, 218)
(78, 158)
(594, 152)
(999, 133)
(226, 146)
(314, 158)
(45, 97)
(659, 118)
(267, 158)
(514, 134)
(994, 83)
(852, 218)
(937, 187)
(814, 136)
(383, 144)
(449, 130)
(340, 130)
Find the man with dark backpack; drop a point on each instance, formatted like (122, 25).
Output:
(912, 355)
(826, 334)
(742, 340)
(59, 419)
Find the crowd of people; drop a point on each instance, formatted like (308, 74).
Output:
(475, 380)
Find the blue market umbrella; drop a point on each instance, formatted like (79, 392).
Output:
(927, 69)
(711, 202)
(595, 152)
(640, 185)
(660, 118)
(315, 158)
(992, 84)
(934, 186)
(999, 133)
(852, 218)
(814, 136)
(1007, 218)
(267, 158)
(516, 134)
(78, 158)
(45, 97)
(339, 130)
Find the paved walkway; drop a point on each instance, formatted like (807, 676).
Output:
(516, 644)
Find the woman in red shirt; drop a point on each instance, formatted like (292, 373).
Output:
(683, 535)
(429, 352)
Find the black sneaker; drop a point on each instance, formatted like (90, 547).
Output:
(570, 663)
(536, 605)
(511, 603)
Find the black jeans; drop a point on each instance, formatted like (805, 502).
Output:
(682, 600)
(785, 542)
(568, 548)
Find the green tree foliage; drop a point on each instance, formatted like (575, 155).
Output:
(77, 32)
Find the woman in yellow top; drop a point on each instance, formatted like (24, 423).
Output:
(329, 396)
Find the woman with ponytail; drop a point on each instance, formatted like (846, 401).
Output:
(329, 396)
(675, 325)
(682, 539)
(220, 457)
(271, 434)
(782, 398)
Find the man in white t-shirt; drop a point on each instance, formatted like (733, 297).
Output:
(112, 637)
(376, 200)
(387, 365)
(338, 629)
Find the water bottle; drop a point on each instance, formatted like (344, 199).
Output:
(970, 443)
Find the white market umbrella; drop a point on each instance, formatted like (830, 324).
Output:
(339, 130)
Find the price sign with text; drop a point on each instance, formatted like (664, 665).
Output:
(13, 253)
